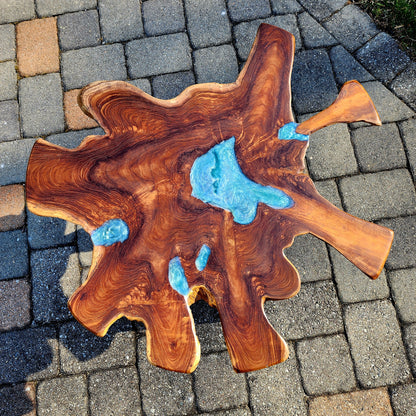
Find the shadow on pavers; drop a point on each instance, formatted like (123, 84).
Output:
(55, 344)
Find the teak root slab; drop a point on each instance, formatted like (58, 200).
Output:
(139, 172)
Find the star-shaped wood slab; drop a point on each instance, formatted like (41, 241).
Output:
(197, 197)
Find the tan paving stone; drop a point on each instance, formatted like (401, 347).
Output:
(12, 207)
(75, 118)
(374, 402)
(37, 47)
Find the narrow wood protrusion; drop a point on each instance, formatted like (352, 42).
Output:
(352, 104)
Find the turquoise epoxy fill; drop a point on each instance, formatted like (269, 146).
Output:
(288, 132)
(112, 231)
(177, 278)
(203, 256)
(217, 179)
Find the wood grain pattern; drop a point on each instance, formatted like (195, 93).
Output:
(139, 172)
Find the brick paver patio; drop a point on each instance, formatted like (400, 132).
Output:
(352, 340)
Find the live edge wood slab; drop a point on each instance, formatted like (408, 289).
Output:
(197, 197)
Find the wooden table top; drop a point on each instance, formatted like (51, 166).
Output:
(196, 198)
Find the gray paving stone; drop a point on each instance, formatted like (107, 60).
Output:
(120, 20)
(85, 247)
(84, 275)
(325, 365)
(329, 190)
(41, 105)
(14, 304)
(143, 84)
(161, 17)
(17, 10)
(330, 153)
(216, 64)
(30, 354)
(403, 289)
(314, 35)
(285, 6)
(18, 400)
(7, 43)
(410, 342)
(408, 131)
(403, 400)
(217, 385)
(310, 257)
(321, 9)
(405, 85)
(242, 411)
(383, 57)
(164, 393)
(115, 392)
(8, 81)
(313, 84)
(378, 148)
(9, 121)
(207, 22)
(158, 55)
(355, 286)
(211, 337)
(81, 350)
(78, 30)
(346, 68)
(52, 7)
(388, 106)
(277, 390)
(376, 344)
(73, 139)
(203, 313)
(63, 396)
(80, 67)
(359, 29)
(46, 232)
(170, 85)
(55, 276)
(379, 195)
(243, 10)
(13, 254)
(403, 250)
(315, 310)
(13, 162)
(245, 33)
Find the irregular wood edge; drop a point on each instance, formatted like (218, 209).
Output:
(352, 104)
(98, 87)
(365, 244)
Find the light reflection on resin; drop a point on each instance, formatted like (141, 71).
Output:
(217, 179)
(112, 231)
(177, 278)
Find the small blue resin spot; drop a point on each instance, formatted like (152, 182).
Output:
(112, 231)
(217, 179)
(177, 278)
(288, 132)
(202, 259)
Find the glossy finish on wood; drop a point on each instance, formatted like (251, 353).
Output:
(139, 172)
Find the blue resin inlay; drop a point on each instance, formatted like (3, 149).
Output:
(112, 231)
(177, 278)
(217, 179)
(288, 132)
(203, 256)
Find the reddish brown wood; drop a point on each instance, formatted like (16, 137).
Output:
(352, 104)
(139, 172)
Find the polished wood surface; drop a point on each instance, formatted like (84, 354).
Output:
(139, 172)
